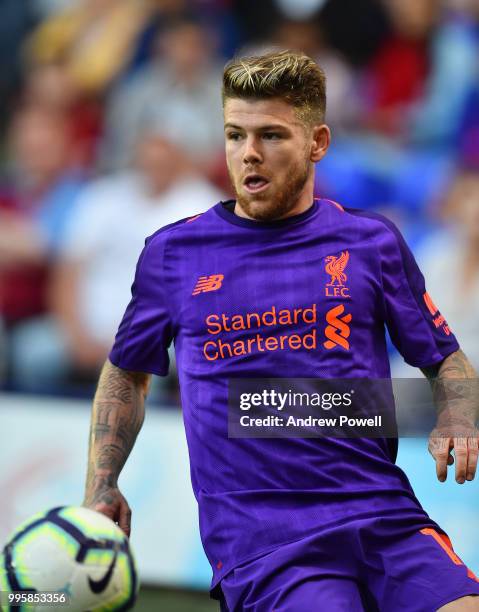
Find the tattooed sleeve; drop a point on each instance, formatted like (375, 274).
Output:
(117, 417)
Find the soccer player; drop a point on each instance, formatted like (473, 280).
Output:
(290, 524)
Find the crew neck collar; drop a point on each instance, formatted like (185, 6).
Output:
(228, 215)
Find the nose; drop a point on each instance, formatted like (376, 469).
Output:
(252, 153)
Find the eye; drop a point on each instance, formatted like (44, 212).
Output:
(233, 135)
(271, 136)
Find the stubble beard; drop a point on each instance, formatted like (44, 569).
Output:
(278, 205)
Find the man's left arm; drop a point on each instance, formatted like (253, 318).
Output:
(454, 383)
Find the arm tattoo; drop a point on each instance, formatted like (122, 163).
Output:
(455, 386)
(455, 365)
(117, 417)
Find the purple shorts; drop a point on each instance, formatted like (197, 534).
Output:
(379, 564)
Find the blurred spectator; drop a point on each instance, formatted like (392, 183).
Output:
(16, 20)
(179, 94)
(355, 28)
(309, 37)
(44, 8)
(256, 20)
(94, 38)
(449, 260)
(401, 155)
(51, 87)
(469, 130)
(35, 202)
(300, 10)
(215, 14)
(403, 100)
(398, 70)
(301, 35)
(453, 76)
(98, 257)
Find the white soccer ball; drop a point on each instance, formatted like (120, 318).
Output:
(68, 553)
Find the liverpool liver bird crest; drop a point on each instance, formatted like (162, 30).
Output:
(335, 267)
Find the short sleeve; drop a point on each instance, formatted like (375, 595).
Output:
(145, 332)
(417, 328)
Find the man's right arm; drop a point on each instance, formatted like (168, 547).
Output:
(117, 416)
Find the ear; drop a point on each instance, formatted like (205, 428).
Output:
(321, 142)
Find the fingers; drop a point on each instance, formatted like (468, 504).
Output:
(440, 449)
(119, 513)
(472, 454)
(106, 509)
(460, 452)
(124, 521)
(466, 451)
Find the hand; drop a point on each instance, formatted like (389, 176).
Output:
(110, 502)
(465, 452)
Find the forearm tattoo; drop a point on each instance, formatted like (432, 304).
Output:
(455, 387)
(117, 417)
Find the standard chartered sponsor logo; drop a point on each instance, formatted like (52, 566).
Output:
(292, 329)
(224, 324)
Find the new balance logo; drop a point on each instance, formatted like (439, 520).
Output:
(208, 283)
(338, 329)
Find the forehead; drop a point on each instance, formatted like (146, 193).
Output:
(255, 113)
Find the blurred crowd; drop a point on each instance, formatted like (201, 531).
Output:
(111, 127)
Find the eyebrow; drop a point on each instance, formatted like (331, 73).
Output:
(262, 128)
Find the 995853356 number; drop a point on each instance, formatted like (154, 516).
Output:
(46, 598)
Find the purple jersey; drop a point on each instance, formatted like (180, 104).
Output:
(308, 296)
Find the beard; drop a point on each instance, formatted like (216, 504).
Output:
(274, 206)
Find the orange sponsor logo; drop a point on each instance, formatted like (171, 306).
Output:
(430, 304)
(335, 267)
(287, 319)
(338, 329)
(445, 543)
(208, 283)
(438, 319)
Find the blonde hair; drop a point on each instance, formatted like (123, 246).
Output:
(291, 76)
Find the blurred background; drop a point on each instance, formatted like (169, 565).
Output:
(111, 127)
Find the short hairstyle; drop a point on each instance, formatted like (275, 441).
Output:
(291, 76)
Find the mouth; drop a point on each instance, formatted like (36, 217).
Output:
(255, 183)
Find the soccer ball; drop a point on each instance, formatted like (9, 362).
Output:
(68, 554)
